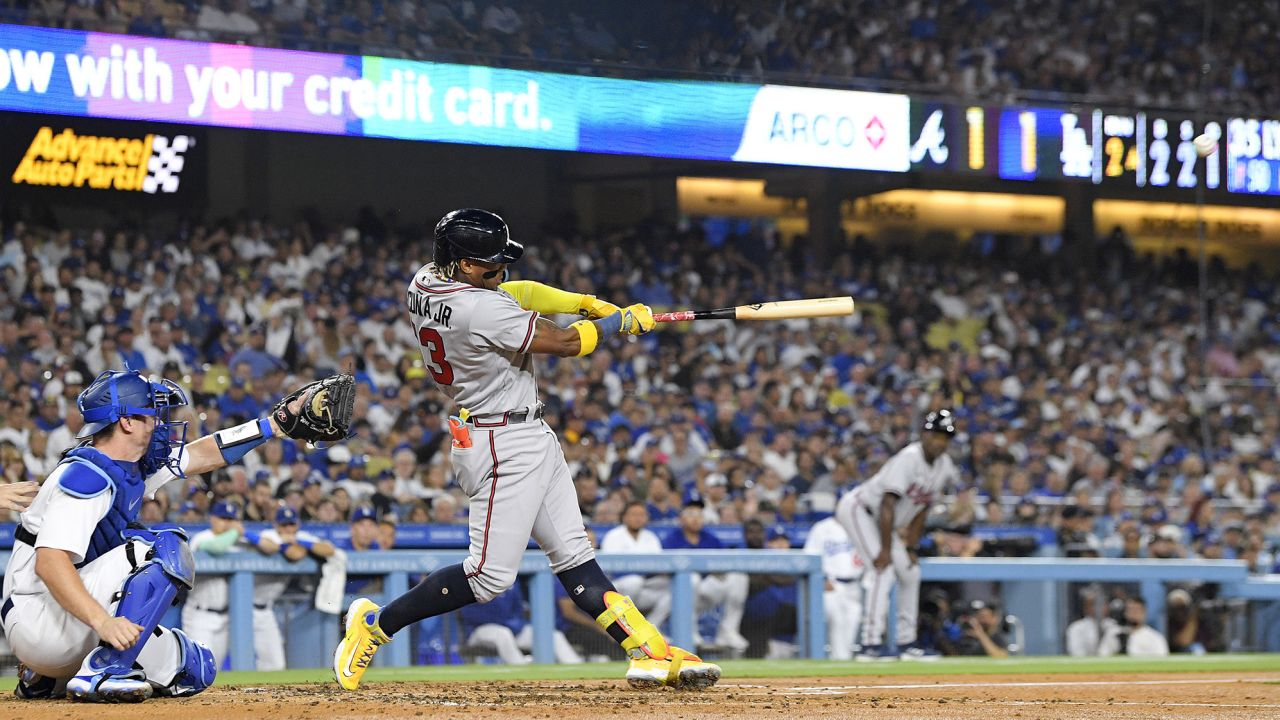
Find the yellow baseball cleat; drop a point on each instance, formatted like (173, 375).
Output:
(680, 669)
(363, 638)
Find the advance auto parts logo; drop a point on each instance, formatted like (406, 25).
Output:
(151, 164)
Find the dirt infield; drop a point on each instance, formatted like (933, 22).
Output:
(988, 697)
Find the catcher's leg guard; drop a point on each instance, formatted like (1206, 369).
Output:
(654, 662)
(197, 669)
(110, 675)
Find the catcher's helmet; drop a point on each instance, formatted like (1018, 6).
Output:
(474, 235)
(941, 421)
(114, 394)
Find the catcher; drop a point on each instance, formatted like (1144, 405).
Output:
(86, 584)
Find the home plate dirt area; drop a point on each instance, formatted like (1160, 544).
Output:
(988, 697)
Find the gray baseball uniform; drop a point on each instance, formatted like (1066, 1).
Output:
(915, 481)
(475, 343)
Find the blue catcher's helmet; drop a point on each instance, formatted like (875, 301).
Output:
(114, 394)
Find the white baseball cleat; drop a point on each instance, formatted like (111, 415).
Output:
(915, 653)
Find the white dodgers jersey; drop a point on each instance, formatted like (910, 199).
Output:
(475, 343)
(913, 480)
(828, 539)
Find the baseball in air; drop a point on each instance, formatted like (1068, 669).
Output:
(1205, 145)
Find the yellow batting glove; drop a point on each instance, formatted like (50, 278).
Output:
(593, 307)
(637, 319)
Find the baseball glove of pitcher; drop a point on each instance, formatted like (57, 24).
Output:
(325, 415)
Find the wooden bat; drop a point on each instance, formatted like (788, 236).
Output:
(780, 310)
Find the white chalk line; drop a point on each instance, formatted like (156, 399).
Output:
(833, 689)
(1152, 703)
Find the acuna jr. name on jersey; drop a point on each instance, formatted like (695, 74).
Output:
(420, 304)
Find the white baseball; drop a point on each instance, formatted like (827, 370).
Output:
(1205, 145)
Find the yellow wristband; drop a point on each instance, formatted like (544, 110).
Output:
(588, 336)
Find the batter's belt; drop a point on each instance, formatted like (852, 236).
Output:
(510, 417)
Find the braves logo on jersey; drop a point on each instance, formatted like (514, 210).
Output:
(919, 495)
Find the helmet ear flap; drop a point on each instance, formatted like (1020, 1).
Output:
(441, 253)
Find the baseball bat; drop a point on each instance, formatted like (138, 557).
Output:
(779, 310)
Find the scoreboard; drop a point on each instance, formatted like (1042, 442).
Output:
(1108, 147)
(1149, 150)
(1253, 156)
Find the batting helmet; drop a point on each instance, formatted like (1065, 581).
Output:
(941, 421)
(474, 235)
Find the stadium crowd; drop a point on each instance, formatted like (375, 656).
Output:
(1131, 51)
(1078, 393)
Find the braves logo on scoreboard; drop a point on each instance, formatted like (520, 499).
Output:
(150, 163)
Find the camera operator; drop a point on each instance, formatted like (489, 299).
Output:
(1195, 621)
(937, 627)
(1131, 635)
(982, 632)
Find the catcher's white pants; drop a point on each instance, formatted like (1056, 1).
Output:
(652, 595)
(268, 644)
(729, 590)
(210, 628)
(843, 608)
(877, 584)
(52, 642)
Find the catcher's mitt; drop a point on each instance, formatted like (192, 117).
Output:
(325, 415)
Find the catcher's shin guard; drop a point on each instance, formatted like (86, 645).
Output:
(110, 675)
(654, 662)
(196, 670)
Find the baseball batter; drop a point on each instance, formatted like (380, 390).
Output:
(842, 596)
(877, 515)
(86, 585)
(478, 336)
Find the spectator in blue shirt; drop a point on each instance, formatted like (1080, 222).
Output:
(238, 405)
(364, 531)
(147, 22)
(363, 538)
(254, 355)
(721, 589)
(50, 417)
(131, 357)
(662, 499)
(690, 533)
